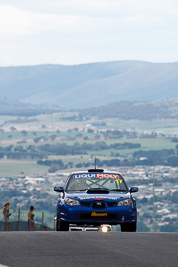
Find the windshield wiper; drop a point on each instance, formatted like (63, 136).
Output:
(120, 190)
(77, 190)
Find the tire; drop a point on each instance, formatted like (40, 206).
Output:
(61, 225)
(129, 227)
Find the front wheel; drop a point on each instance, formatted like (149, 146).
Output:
(129, 227)
(61, 225)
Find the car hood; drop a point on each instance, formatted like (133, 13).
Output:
(110, 196)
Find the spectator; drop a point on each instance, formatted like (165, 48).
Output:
(6, 216)
(31, 221)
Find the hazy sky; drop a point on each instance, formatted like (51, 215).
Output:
(83, 31)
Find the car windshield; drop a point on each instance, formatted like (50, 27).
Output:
(103, 181)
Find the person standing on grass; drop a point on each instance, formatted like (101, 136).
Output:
(6, 216)
(31, 221)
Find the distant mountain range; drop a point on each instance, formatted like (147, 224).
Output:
(89, 85)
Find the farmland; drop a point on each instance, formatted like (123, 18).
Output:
(107, 139)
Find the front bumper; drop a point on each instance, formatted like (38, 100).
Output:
(83, 215)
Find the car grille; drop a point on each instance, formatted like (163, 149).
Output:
(112, 204)
(85, 203)
(96, 206)
(99, 205)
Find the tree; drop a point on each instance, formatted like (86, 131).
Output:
(78, 165)
(12, 128)
(53, 137)
(24, 132)
(37, 139)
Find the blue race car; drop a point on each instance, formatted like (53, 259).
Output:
(96, 197)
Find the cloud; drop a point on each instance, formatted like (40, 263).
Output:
(13, 20)
(87, 30)
(16, 21)
(98, 8)
(24, 18)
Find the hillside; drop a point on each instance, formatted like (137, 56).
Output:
(90, 85)
(127, 110)
(124, 110)
(14, 107)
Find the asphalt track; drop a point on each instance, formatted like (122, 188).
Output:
(75, 249)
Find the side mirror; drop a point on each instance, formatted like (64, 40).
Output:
(133, 189)
(58, 189)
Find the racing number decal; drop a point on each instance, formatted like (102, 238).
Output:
(119, 181)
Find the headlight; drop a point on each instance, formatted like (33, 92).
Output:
(125, 202)
(105, 228)
(72, 202)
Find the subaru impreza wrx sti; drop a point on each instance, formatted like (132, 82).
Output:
(96, 197)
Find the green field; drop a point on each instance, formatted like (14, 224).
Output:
(69, 132)
(9, 168)
(17, 167)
